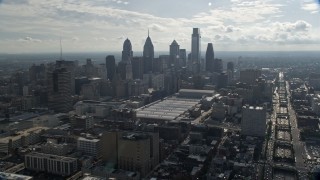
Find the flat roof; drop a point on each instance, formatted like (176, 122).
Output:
(168, 109)
(22, 133)
(12, 176)
(51, 156)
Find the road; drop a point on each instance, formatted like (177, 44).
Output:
(298, 146)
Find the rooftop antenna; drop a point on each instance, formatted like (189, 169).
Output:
(60, 50)
(148, 32)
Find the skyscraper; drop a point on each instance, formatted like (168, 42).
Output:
(148, 55)
(209, 58)
(111, 66)
(174, 53)
(125, 66)
(59, 90)
(196, 46)
(127, 51)
(217, 65)
(137, 67)
(183, 57)
(230, 70)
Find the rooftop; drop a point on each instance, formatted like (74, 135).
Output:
(168, 109)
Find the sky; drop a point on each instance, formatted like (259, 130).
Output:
(36, 26)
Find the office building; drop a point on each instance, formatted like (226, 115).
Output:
(127, 52)
(53, 164)
(230, 70)
(81, 122)
(134, 151)
(89, 146)
(253, 121)
(196, 46)
(111, 66)
(137, 67)
(148, 55)
(174, 53)
(217, 66)
(59, 90)
(21, 138)
(183, 57)
(209, 58)
(222, 80)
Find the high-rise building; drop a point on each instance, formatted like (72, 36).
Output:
(125, 66)
(196, 49)
(209, 58)
(222, 80)
(111, 66)
(174, 53)
(137, 67)
(52, 164)
(230, 70)
(217, 66)
(127, 52)
(253, 121)
(148, 55)
(71, 67)
(59, 90)
(183, 57)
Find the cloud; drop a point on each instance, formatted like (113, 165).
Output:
(310, 6)
(157, 27)
(29, 39)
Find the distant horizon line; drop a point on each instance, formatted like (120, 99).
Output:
(74, 52)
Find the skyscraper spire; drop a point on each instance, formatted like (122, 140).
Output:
(148, 32)
(60, 49)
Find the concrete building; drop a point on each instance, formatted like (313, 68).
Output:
(60, 165)
(81, 122)
(131, 151)
(20, 139)
(134, 153)
(89, 146)
(253, 121)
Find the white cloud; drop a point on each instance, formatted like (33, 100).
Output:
(29, 39)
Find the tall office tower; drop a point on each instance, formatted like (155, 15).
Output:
(230, 70)
(111, 66)
(137, 68)
(183, 57)
(129, 71)
(196, 49)
(125, 66)
(127, 52)
(148, 55)
(59, 90)
(253, 121)
(217, 66)
(209, 58)
(71, 67)
(174, 53)
(222, 80)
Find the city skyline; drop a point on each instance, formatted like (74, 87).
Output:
(91, 26)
